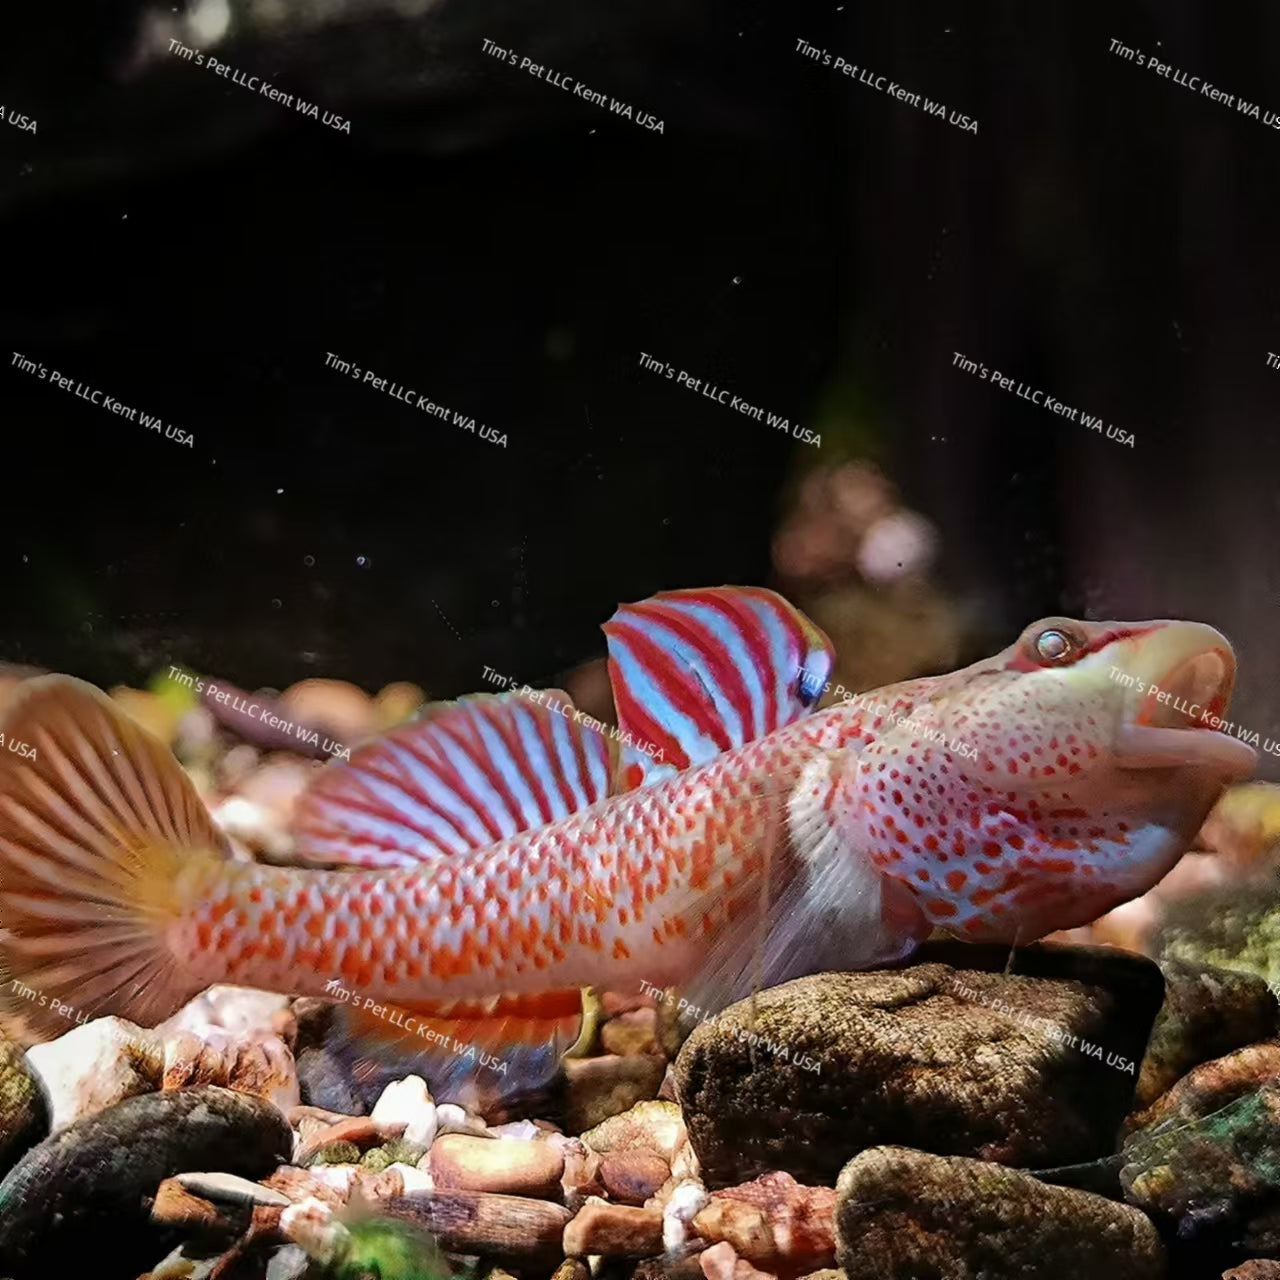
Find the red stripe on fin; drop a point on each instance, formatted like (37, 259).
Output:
(699, 672)
(462, 775)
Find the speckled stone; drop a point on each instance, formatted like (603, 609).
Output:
(1022, 1070)
(902, 1215)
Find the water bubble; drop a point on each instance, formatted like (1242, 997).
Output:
(308, 561)
(277, 603)
(494, 603)
(363, 561)
(279, 490)
(737, 279)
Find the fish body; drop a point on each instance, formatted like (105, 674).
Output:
(504, 856)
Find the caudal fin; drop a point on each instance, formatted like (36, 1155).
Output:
(97, 819)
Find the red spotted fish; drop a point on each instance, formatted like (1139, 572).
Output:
(474, 868)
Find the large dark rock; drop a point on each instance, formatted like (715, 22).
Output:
(79, 1202)
(904, 1215)
(1023, 1070)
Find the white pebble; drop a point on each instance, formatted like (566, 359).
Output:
(684, 1204)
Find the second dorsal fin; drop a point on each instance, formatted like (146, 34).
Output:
(461, 776)
(695, 673)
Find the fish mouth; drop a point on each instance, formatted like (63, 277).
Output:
(1175, 709)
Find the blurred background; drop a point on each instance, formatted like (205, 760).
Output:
(509, 250)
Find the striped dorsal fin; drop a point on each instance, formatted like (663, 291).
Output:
(695, 673)
(461, 776)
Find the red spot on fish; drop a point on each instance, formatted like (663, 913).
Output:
(955, 880)
(941, 907)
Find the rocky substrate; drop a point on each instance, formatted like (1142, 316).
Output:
(937, 1120)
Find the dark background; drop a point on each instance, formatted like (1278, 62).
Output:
(481, 236)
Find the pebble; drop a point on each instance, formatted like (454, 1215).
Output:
(653, 1126)
(509, 1166)
(332, 707)
(288, 1262)
(632, 1177)
(773, 1222)
(721, 1262)
(685, 1202)
(581, 1178)
(451, 1118)
(94, 1066)
(613, 1229)
(408, 1102)
(597, 1088)
(229, 1188)
(903, 1214)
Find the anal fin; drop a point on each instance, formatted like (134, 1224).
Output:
(487, 1054)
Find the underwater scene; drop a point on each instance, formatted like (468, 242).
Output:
(638, 641)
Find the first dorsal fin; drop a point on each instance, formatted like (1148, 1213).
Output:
(695, 673)
(461, 776)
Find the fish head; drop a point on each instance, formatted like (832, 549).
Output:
(1036, 790)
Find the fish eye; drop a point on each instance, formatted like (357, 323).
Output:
(1054, 645)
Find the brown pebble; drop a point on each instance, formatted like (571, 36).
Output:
(598, 1088)
(614, 1229)
(631, 1032)
(631, 1177)
(298, 1184)
(720, 1262)
(664, 1268)
(511, 1166)
(581, 1179)
(1254, 1269)
(358, 1129)
(744, 1226)
(571, 1269)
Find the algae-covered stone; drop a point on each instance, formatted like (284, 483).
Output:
(337, 1153)
(903, 1215)
(1215, 1176)
(24, 1115)
(1024, 1070)
(1207, 1012)
(1235, 927)
(88, 1186)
